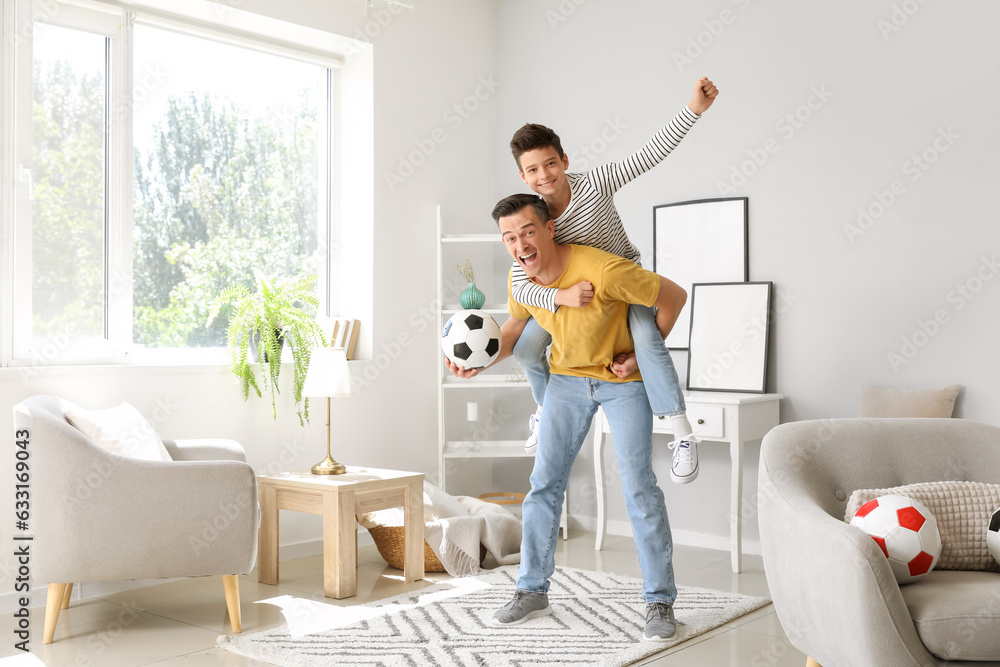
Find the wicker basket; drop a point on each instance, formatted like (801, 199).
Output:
(391, 544)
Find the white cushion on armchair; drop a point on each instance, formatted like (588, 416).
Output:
(120, 430)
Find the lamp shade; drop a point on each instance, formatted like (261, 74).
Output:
(328, 374)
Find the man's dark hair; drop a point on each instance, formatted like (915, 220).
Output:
(514, 203)
(530, 137)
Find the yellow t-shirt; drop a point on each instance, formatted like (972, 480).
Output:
(586, 340)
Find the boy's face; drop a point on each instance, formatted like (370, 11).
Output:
(528, 241)
(544, 170)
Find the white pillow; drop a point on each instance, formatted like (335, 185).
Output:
(120, 430)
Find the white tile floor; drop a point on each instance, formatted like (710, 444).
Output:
(177, 623)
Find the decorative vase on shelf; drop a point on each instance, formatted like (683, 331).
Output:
(472, 297)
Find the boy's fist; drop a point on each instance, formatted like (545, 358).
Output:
(577, 296)
(705, 93)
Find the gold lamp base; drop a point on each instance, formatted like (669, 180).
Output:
(329, 467)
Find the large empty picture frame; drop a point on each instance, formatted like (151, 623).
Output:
(702, 241)
(730, 328)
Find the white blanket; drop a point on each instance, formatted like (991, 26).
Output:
(455, 526)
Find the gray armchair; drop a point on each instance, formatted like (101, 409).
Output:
(832, 587)
(98, 516)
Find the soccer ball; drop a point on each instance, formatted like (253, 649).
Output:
(906, 532)
(471, 339)
(993, 535)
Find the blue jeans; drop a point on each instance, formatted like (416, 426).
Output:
(658, 373)
(570, 406)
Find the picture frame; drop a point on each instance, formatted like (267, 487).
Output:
(700, 241)
(730, 333)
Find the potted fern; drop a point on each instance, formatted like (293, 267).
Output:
(276, 312)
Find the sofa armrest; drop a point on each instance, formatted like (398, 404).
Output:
(99, 516)
(832, 587)
(205, 449)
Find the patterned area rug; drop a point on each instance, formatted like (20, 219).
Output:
(597, 619)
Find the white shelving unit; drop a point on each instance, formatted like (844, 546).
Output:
(471, 449)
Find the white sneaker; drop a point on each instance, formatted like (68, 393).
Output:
(533, 423)
(684, 467)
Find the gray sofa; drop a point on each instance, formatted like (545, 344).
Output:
(98, 516)
(832, 587)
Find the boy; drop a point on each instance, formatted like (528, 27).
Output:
(582, 206)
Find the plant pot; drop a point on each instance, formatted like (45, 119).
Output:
(472, 297)
(255, 344)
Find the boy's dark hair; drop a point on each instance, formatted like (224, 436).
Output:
(514, 203)
(530, 137)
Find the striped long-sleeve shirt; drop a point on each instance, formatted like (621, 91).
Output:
(591, 217)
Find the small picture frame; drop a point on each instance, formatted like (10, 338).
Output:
(730, 330)
(699, 241)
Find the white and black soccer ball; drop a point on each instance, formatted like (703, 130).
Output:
(471, 339)
(993, 535)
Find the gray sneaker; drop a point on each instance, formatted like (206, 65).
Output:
(660, 623)
(525, 605)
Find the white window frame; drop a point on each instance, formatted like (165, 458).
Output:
(115, 21)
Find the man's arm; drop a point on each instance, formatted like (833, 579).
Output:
(668, 305)
(510, 332)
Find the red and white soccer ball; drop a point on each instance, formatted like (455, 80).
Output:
(906, 532)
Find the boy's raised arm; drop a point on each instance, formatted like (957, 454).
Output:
(609, 178)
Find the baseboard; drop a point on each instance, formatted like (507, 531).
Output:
(682, 537)
(39, 592)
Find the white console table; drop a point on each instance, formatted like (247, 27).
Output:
(716, 417)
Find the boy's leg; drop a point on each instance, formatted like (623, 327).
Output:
(663, 391)
(631, 423)
(658, 374)
(565, 422)
(529, 351)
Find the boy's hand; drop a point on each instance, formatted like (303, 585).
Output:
(705, 93)
(577, 296)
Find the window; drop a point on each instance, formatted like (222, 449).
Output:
(165, 162)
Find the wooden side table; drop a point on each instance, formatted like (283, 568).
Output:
(724, 417)
(339, 499)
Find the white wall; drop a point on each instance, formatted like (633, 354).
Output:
(579, 66)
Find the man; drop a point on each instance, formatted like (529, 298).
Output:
(585, 343)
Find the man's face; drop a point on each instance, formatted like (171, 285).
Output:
(544, 170)
(528, 241)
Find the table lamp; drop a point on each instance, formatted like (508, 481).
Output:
(328, 376)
